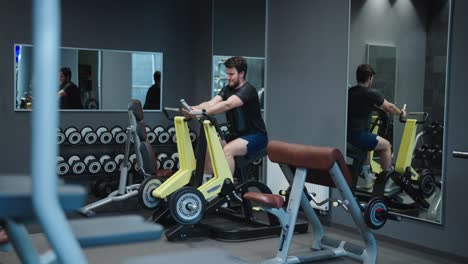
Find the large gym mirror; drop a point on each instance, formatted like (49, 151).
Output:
(105, 79)
(405, 42)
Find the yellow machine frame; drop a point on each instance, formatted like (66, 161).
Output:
(221, 171)
(405, 152)
(186, 160)
(181, 178)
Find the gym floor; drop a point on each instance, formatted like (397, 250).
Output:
(390, 251)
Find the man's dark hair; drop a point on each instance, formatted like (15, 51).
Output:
(66, 72)
(157, 76)
(237, 62)
(364, 72)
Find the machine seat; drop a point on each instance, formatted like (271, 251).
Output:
(244, 161)
(270, 200)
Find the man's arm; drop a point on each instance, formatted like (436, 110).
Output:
(209, 103)
(391, 108)
(223, 106)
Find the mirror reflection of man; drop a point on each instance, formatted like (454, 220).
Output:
(153, 96)
(69, 94)
(362, 100)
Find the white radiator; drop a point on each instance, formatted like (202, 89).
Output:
(277, 181)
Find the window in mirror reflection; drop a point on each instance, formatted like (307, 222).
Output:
(255, 75)
(146, 79)
(105, 79)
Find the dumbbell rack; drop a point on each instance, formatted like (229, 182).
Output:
(429, 153)
(74, 150)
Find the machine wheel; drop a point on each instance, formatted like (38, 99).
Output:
(427, 183)
(145, 198)
(187, 205)
(375, 214)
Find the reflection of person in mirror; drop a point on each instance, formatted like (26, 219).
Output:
(70, 97)
(239, 100)
(153, 96)
(362, 100)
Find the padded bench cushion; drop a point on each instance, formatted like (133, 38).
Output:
(165, 173)
(16, 196)
(271, 200)
(104, 231)
(136, 108)
(318, 160)
(149, 159)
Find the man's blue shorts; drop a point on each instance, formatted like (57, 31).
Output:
(363, 139)
(256, 142)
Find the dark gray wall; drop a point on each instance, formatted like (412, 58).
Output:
(451, 236)
(181, 29)
(307, 71)
(239, 28)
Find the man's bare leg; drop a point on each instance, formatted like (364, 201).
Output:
(385, 152)
(237, 147)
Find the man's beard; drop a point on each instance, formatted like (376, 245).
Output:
(234, 84)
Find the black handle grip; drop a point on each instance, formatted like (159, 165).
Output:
(459, 154)
(424, 119)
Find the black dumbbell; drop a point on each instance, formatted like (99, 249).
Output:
(77, 166)
(60, 136)
(150, 135)
(62, 166)
(162, 135)
(160, 160)
(90, 137)
(105, 137)
(94, 166)
(73, 136)
(107, 163)
(175, 158)
(119, 135)
(172, 133)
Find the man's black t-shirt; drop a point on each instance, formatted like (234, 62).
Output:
(246, 119)
(361, 103)
(153, 98)
(72, 99)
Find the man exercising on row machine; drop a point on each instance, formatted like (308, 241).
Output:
(362, 99)
(238, 98)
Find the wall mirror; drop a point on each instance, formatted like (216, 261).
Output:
(383, 60)
(106, 79)
(406, 42)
